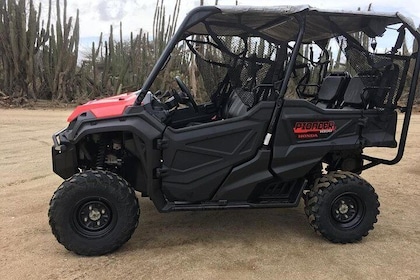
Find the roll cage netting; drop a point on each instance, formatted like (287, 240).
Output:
(256, 64)
(384, 75)
(248, 63)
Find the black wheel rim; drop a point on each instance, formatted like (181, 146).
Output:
(93, 217)
(347, 210)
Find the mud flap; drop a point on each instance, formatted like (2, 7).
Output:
(64, 161)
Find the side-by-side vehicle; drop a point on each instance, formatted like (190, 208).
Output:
(282, 103)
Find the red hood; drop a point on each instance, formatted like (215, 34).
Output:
(106, 107)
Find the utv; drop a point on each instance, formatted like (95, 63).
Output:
(285, 103)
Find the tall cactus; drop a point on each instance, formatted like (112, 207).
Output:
(117, 65)
(21, 37)
(37, 59)
(64, 54)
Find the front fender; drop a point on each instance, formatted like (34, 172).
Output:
(141, 124)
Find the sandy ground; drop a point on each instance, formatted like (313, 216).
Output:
(240, 244)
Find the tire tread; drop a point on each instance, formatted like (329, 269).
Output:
(323, 187)
(113, 184)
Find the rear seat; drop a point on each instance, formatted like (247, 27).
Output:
(375, 90)
(332, 90)
(354, 93)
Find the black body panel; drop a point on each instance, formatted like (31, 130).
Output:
(198, 158)
(296, 151)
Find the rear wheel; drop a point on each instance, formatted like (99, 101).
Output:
(93, 212)
(342, 207)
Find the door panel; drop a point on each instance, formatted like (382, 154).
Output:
(198, 158)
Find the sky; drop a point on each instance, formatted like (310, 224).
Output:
(96, 16)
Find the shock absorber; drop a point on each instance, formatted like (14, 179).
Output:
(100, 158)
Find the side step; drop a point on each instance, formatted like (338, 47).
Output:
(283, 195)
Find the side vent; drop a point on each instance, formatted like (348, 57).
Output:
(284, 192)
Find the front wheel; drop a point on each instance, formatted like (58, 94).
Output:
(93, 213)
(342, 207)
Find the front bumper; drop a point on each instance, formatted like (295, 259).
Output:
(64, 156)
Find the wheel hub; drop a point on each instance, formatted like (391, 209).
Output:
(344, 209)
(94, 216)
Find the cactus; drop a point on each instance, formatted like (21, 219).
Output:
(38, 58)
(120, 65)
(37, 61)
(19, 35)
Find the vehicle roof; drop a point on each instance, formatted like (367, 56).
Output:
(274, 21)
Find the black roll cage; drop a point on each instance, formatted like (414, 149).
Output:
(201, 13)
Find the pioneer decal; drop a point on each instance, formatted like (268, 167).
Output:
(314, 129)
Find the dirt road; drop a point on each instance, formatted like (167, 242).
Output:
(256, 244)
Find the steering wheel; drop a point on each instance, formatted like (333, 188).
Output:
(186, 90)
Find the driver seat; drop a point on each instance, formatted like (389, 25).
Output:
(235, 105)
